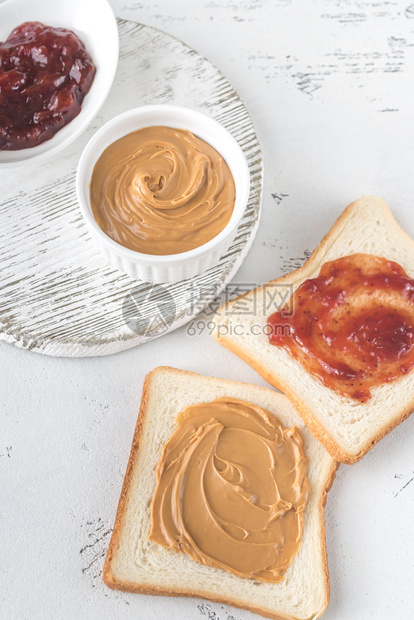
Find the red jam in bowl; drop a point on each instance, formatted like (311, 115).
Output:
(352, 326)
(45, 74)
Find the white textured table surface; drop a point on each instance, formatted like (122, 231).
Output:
(329, 85)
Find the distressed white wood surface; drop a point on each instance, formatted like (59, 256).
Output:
(58, 295)
(316, 77)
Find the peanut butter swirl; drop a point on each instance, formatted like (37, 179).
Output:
(231, 489)
(160, 190)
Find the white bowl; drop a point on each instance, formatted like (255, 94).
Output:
(172, 267)
(94, 22)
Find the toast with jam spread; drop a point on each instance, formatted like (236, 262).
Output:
(337, 335)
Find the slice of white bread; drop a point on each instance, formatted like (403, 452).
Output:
(135, 564)
(347, 427)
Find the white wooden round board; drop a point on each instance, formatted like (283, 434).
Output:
(58, 296)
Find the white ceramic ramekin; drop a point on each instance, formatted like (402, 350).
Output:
(173, 267)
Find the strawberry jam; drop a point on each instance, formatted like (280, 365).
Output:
(352, 326)
(45, 74)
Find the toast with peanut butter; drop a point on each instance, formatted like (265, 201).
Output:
(337, 335)
(223, 499)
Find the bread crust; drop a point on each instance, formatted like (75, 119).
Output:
(300, 274)
(316, 428)
(110, 579)
(120, 514)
